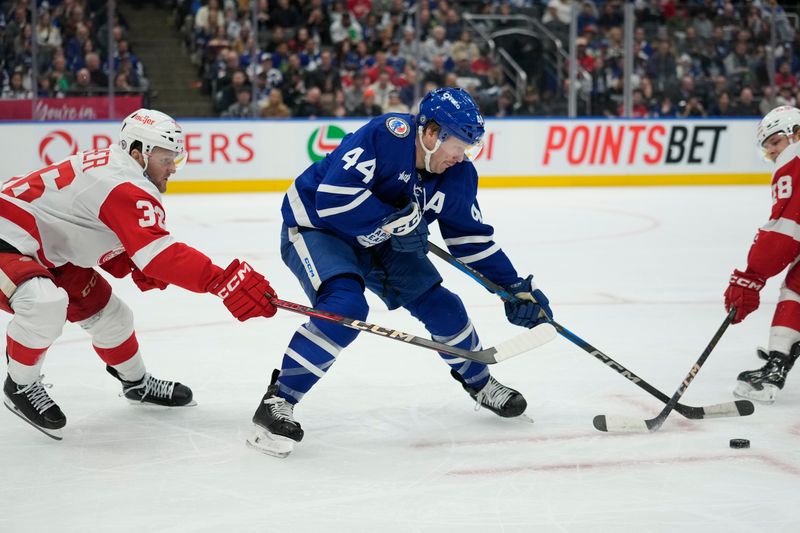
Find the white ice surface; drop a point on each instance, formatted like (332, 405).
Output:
(392, 442)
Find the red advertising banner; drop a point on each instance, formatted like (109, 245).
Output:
(78, 108)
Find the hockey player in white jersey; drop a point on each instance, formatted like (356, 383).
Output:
(101, 208)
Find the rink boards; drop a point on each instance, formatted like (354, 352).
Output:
(261, 155)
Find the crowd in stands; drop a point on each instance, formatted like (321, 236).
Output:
(308, 58)
(313, 58)
(72, 38)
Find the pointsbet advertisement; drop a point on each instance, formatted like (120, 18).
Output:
(261, 155)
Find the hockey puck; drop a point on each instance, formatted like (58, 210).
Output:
(740, 443)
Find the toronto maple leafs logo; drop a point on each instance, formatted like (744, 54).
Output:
(404, 177)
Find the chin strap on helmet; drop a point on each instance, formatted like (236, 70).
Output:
(428, 153)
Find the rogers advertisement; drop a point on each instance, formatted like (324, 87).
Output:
(516, 151)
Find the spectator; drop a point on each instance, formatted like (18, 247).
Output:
(121, 84)
(661, 67)
(206, 12)
(785, 96)
(368, 107)
(15, 89)
(346, 28)
(436, 46)
(531, 103)
(557, 15)
(310, 106)
(244, 106)
(382, 87)
(275, 108)
(465, 48)
(82, 86)
(326, 76)
(394, 104)
(722, 107)
(354, 94)
(99, 78)
(693, 108)
(61, 79)
(746, 107)
(784, 76)
(738, 66)
(409, 47)
(228, 94)
(666, 109)
(284, 15)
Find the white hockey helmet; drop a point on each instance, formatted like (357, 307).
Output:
(153, 128)
(782, 119)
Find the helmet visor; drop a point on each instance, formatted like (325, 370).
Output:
(471, 150)
(166, 157)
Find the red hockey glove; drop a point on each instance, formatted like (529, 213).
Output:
(244, 291)
(742, 294)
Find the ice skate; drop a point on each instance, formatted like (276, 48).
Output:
(150, 390)
(276, 430)
(762, 385)
(496, 397)
(32, 404)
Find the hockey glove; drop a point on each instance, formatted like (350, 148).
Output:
(409, 230)
(742, 293)
(533, 307)
(244, 291)
(121, 265)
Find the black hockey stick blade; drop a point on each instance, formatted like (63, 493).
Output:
(737, 408)
(634, 425)
(532, 338)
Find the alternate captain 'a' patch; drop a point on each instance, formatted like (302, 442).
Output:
(398, 127)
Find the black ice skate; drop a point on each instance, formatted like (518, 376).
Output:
(762, 385)
(496, 397)
(32, 404)
(150, 390)
(276, 429)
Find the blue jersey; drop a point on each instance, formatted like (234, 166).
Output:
(372, 174)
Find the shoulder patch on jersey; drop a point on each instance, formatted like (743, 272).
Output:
(398, 127)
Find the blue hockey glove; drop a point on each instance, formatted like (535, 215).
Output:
(533, 309)
(409, 230)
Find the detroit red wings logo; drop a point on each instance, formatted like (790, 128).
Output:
(108, 256)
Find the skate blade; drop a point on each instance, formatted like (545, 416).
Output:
(158, 406)
(765, 395)
(269, 444)
(54, 434)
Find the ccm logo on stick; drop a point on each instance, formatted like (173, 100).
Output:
(234, 281)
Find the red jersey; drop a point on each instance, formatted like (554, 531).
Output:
(91, 207)
(777, 243)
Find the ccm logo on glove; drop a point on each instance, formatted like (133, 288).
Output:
(746, 283)
(235, 280)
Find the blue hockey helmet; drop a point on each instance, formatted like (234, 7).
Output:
(454, 110)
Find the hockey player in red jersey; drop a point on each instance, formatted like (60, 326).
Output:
(101, 208)
(776, 246)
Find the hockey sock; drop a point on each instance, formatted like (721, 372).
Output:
(446, 319)
(316, 344)
(785, 330)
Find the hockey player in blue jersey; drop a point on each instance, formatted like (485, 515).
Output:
(359, 219)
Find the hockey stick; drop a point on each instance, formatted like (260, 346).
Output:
(505, 350)
(611, 423)
(737, 408)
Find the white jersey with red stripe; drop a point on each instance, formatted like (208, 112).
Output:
(91, 207)
(777, 243)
